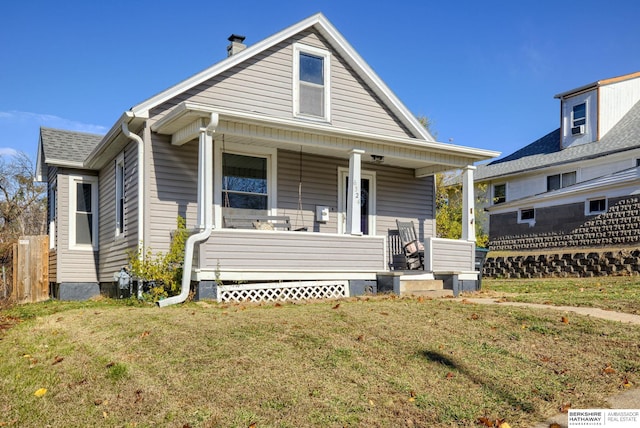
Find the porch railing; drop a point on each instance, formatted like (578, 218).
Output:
(449, 255)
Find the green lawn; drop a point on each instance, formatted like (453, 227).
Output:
(617, 293)
(383, 362)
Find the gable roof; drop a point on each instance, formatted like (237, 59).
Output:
(597, 84)
(320, 23)
(625, 135)
(59, 147)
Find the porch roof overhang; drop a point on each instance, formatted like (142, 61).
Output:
(183, 123)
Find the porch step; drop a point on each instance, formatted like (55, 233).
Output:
(423, 287)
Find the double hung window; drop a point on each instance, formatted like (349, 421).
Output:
(83, 216)
(311, 82)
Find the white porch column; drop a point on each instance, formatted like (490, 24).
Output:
(468, 200)
(205, 174)
(353, 193)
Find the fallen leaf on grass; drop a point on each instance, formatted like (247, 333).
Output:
(384, 313)
(360, 338)
(420, 299)
(555, 425)
(626, 383)
(450, 375)
(111, 364)
(145, 334)
(565, 320)
(565, 408)
(336, 306)
(40, 392)
(608, 370)
(485, 421)
(474, 316)
(97, 401)
(278, 305)
(252, 425)
(57, 360)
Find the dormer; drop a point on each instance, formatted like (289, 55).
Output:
(590, 111)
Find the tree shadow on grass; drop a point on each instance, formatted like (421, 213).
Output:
(499, 389)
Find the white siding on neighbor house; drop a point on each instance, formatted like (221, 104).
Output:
(591, 128)
(73, 265)
(114, 250)
(264, 85)
(615, 101)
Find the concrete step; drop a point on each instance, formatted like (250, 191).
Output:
(433, 294)
(409, 286)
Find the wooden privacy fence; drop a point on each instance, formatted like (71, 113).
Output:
(31, 269)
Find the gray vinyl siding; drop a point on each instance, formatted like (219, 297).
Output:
(263, 84)
(172, 176)
(399, 194)
(114, 250)
(293, 251)
(453, 255)
(73, 265)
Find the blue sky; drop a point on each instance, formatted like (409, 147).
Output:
(484, 72)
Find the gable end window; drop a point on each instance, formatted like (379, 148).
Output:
(578, 119)
(499, 193)
(558, 181)
(311, 82)
(83, 213)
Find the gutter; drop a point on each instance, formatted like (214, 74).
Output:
(135, 137)
(205, 208)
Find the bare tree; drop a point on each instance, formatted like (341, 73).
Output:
(23, 202)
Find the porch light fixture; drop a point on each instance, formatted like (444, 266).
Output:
(377, 158)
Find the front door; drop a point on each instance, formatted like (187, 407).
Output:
(367, 201)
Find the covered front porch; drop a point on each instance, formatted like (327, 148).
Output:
(364, 181)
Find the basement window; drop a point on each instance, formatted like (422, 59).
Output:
(596, 206)
(527, 215)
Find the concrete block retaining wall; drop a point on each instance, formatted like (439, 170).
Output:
(567, 264)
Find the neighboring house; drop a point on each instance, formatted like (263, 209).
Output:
(296, 127)
(577, 186)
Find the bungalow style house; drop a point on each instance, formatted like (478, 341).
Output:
(577, 186)
(291, 162)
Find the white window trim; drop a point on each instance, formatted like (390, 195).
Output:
(270, 154)
(493, 193)
(587, 203)
(586, 113)
(73, 181)
(343, 173)
(119, 229)
(326, 55)
(531, 221)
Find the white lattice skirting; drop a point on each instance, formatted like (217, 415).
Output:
(280, 291)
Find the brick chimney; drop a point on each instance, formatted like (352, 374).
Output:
(236, 44)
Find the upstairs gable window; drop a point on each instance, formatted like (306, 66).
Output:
(311, 82)
(558, 181)
(578, 119)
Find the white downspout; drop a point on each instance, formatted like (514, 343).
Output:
(205, 209)
(135, 137)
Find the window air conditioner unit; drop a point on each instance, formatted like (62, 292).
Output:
(577, 130)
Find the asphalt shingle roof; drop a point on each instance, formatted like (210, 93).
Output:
(60, 146)
(625, 135)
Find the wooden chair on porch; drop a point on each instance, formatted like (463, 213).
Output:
(411, 246)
